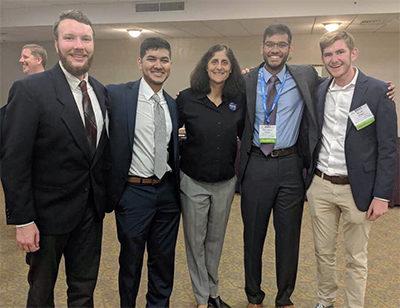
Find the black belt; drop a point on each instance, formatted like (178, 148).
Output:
(275, 153)
(337, 179)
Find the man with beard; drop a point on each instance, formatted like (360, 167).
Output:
(354, 167)
(53, 167)
(33, 59)
(280, 128)
(144, 176)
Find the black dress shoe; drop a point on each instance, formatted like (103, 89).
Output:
(217, 302)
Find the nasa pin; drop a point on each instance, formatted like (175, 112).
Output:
(232, 106)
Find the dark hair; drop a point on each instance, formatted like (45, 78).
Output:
(200, 82)
(154, 43)
(38, 52)
(277, 29)
(74, 15)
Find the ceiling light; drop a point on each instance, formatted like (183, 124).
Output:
(134, 32)
(331, 26)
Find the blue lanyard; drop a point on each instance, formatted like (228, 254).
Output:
(262, 83)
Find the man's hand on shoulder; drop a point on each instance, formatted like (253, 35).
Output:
(245, 70)
(376, 209)
(391, 91)
(28, 238)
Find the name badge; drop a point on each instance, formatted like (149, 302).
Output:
(362, 117)
(267, 133)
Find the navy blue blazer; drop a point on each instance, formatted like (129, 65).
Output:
(370, 152)
(122, 116)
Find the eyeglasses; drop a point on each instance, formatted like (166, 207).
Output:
(280, 45)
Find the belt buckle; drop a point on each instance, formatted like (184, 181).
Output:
(276, 153)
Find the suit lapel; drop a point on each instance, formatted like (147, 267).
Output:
(70, 114)
(174, 120)
(304, 91)
(321, 97)
(251, 93)
(172, 112)
(131, 100)
(358, 97)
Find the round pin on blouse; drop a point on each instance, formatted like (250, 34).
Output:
(232, 106)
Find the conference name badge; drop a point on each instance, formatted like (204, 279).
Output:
(267, 133)
(362, 117)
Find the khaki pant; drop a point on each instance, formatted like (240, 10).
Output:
(328, 203)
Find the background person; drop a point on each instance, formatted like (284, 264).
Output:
(33, 59)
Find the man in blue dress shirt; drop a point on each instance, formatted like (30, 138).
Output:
(280, 132)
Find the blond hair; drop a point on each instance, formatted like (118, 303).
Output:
(331, 37)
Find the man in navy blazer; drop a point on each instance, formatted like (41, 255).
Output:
(144, 179)
(354, 167)
(53, 172)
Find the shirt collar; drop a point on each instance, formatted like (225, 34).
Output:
(72, 80)
(147, 91)
(280, 75)
(334, 87)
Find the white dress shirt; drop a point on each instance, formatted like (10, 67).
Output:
(332, 158)
(77, 93)
(142, 163)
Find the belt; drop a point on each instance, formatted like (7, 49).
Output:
(275, 153)
(337, 179)
(151, 181)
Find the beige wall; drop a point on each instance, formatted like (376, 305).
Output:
(115, 60)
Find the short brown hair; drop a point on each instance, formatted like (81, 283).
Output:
(38, 52)
(74, 15)
(331, 37)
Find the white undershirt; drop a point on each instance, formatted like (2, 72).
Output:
(142, 163)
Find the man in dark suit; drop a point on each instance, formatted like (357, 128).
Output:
(280, 131)
(53, 167)
(354, 167)
(144, 179)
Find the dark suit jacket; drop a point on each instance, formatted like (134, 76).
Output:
(48, 172)
(371, 151)
(122, 112)
(306, 79)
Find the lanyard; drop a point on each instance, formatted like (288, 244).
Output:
(262, 83)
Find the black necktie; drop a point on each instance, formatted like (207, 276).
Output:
(90, 119)
(267, 148)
